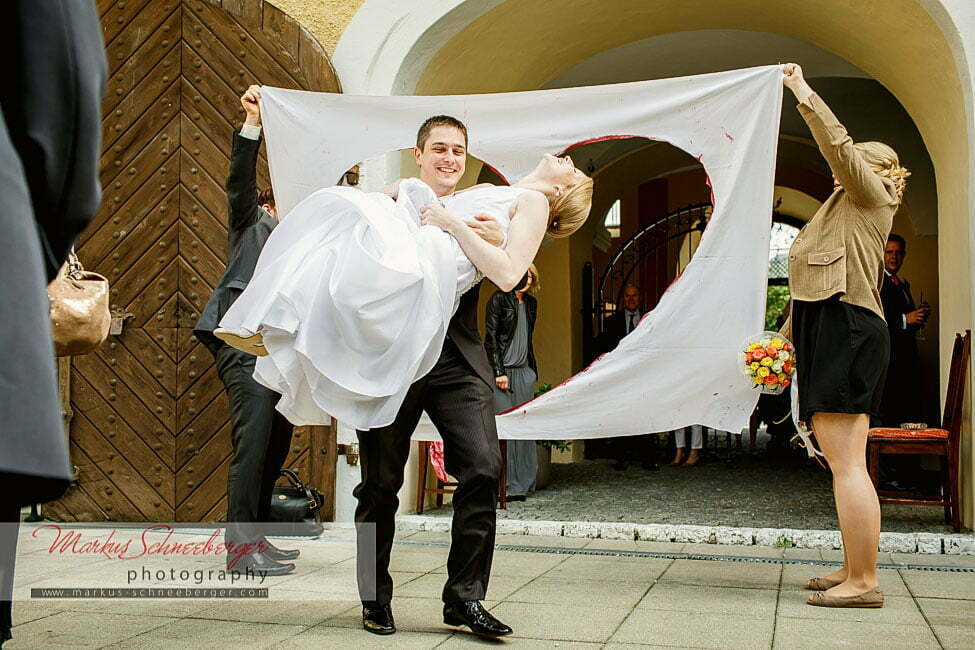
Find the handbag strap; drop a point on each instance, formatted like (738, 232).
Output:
(315, 501)
(74, 264)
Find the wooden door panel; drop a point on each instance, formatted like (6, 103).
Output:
(150, 434)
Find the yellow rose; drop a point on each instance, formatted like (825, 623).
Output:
(767, 361)
(763, 371)
(778, 344)
(753, 347)
(759, 380)
(754, 365)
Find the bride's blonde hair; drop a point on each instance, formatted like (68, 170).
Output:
(884, 162)
(569, 210)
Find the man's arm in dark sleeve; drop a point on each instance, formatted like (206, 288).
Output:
(242, 182)
(491, 334)
(51, 102)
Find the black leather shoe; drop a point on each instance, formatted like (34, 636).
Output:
(516, 497)
(260, 564)
(378, 620)
(472, 614)
(279, 554)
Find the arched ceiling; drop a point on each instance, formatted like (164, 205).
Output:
(696, 52)
(529, 44)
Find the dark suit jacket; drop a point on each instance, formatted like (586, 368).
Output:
(614, 329)
(902, 393)
(50, 147)
(465, 335)
(249, 227)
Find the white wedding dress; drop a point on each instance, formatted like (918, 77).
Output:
(353, 297)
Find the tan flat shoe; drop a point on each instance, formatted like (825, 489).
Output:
(821, 584)
(243, 341)
(872, 598)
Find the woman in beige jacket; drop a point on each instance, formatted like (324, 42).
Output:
(837, 325)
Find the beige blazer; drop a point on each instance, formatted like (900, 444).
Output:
(841, 249)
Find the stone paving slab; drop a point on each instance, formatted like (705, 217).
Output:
(812, 633)
(724, 574)
(199, 633)
(572, 599)
(733, 601)
(584, 622)
(953, 621)
(695, 629)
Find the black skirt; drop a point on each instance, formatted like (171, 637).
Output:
(841, 357)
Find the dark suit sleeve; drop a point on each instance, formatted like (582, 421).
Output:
(491, 334)
(54, 57)
(242, 183)
(892, 312)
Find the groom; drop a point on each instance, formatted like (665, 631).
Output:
(457, 396)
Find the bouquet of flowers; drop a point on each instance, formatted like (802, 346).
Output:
(769, 361)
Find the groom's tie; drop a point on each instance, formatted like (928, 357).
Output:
(632, 323)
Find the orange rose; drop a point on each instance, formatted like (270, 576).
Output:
(771, 351)
(772, 379)
(759, 354)
(748, 358)
(787, 367)
(787, 347)
(785, 382)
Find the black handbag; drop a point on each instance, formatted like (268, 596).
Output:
(294, 508)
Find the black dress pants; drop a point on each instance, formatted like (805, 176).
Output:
(9, 523)
(461, 406)
(261, 439)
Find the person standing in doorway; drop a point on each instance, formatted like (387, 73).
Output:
(902, 392)
(509, 327)
(620, 324)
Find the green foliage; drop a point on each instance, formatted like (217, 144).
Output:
(560, 445)
(778, 297)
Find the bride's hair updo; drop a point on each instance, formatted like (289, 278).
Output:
(569, 210)
(884, 162)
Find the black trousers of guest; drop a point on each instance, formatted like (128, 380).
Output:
(9, 523)
(461, 406)
(261, 439)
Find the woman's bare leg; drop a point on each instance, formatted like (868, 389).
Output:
(843, 439)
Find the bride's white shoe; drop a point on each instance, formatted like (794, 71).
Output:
(243, 340)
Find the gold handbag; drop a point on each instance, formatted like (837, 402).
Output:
(80, 315)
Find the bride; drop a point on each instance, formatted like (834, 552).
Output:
(353, 292)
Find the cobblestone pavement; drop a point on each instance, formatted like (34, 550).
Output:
(747, 490)
(647, 594)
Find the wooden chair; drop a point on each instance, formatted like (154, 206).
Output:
(943, 442)
(448, 487)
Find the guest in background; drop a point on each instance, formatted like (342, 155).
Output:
(510, 325)
(259, 435)
(621, 323)
(902, 400)
(680, 441)
(902, 392)
(50, 146)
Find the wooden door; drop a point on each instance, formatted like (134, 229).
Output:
(149, 431)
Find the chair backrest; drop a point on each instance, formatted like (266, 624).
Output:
(957, 375)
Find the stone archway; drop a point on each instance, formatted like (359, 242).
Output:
(913, 48)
